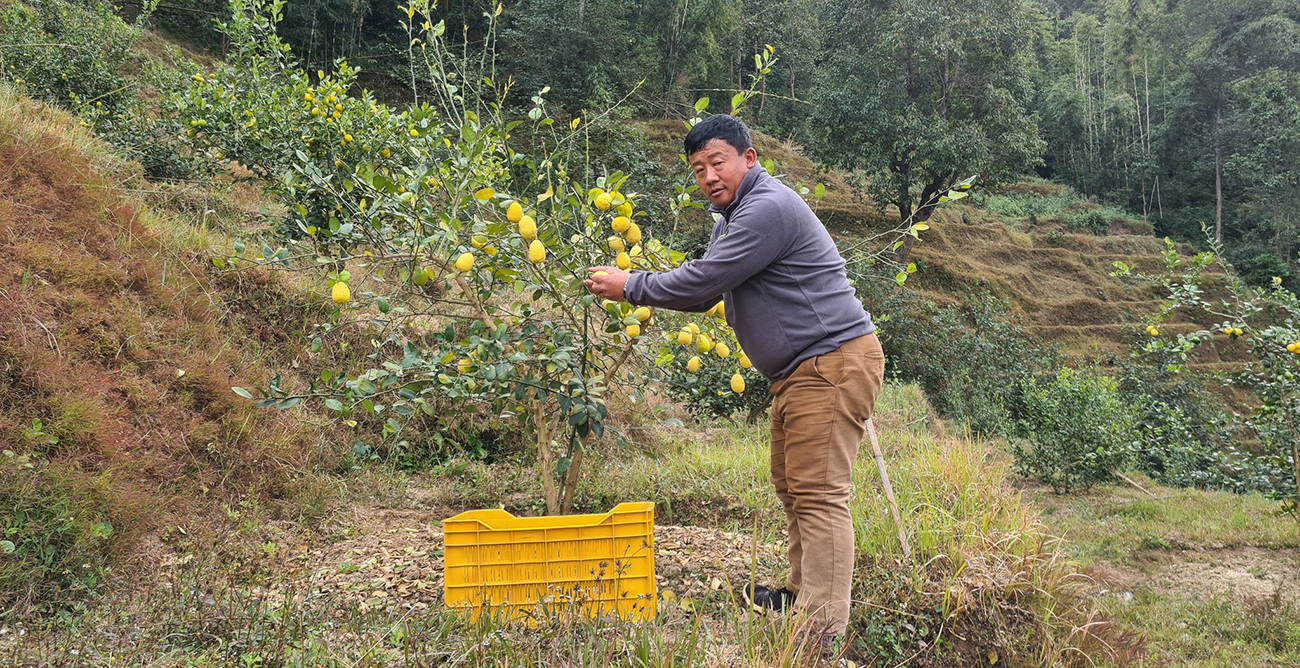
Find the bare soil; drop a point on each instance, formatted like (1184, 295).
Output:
(394, 558)
(1245, 573)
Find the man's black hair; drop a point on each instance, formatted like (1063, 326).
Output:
(719, 126)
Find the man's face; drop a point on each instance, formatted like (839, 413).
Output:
(719, 169)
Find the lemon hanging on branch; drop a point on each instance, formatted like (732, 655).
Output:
(737, 383)
(528, 228)
(340, 293)
(621, 224)
(603, 201)
(623, 261)
(617, 244)
(693, 365)
(515, 212)
(537, 251)
(465, 262)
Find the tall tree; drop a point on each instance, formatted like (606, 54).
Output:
(917, 94)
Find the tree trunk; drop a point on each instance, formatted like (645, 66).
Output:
(1218, 179)
(1218, 196)
(546, 458)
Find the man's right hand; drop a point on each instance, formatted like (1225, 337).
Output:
(607, 282)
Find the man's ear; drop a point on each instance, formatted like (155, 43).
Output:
(751, 157)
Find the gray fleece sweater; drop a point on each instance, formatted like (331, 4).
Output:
(776, 267)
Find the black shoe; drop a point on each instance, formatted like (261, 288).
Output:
(762, 599)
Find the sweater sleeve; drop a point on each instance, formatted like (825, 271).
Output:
(754, 238)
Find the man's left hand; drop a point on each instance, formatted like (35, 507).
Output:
(607, 282)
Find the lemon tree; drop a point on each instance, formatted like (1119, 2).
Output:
(1267, 321)
(460, 246)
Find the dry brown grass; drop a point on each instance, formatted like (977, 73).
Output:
(125, 345)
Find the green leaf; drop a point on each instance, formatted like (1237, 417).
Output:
(382, 304)
(334, 404)
(7, 546)
(820, 191)
(737, 100)
(701, 104)
(242, 392)
(901, 277)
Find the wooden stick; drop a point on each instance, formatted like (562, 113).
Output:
(889, 489)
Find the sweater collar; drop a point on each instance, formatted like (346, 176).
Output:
(746, 184)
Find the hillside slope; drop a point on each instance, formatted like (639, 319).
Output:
(118, 350)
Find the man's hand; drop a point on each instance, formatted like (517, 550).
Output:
(607, 282)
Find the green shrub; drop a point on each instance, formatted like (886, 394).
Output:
(68, 54)
(1073, 430)
(56, 539)
(968, 357)
(1092, 221)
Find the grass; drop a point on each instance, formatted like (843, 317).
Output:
(1220, 631)
(1112, 523)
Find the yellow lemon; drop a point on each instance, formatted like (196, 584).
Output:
(695, 329)
(641, 313)
(603, 201)
(515, 212)
(722, 350)
(722, 310)
(601, 273)
(465, 262)
(1277, 280)
(1152, 330)
(478, 241)
(625, 209)
(737, 383)
(621, 224)
(703, 343)
(635, 251)
(528, 228)
(685, 337)
(744, 361)
(623, 261)
(464, 365)
(617, 244)
(537, 252)
(633, 331)
(693, 365)
(633, 234)
(421, 276)
(341, 293)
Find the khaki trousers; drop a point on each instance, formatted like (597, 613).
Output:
(818, 419)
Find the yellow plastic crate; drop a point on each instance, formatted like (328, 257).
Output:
(543, 567)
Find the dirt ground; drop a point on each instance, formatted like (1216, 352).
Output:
(393, 559)
(1245, 573)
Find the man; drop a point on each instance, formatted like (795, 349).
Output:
(794, 313)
